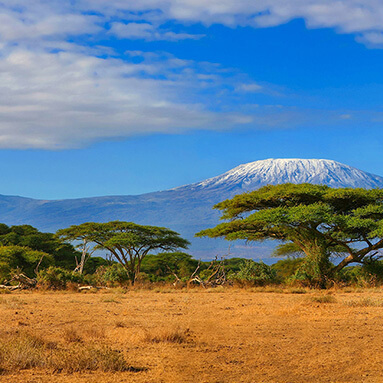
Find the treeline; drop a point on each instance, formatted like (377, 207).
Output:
(66, 259)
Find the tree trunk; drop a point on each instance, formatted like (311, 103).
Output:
(316, 263)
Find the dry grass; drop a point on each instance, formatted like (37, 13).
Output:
(88, 358)
(323, 299)
(168, 336)
(207, 336)
(19, 351)
(71, 335)
(365, 302)
(119, 324)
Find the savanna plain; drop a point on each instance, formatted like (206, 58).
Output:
(196, 335)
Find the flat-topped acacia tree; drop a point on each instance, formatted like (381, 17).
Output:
(127, 241)
(316, 220)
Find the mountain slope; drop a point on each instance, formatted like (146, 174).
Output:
(186, 209)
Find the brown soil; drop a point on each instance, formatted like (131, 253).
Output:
(209, 336)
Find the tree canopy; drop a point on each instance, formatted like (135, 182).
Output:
(128, 242)
(28, 237)
(316, 220)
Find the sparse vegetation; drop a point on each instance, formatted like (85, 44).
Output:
(365, 302)
(24, 350)
(323, 299)
(168, 336)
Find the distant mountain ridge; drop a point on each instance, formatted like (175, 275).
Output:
(186, 209)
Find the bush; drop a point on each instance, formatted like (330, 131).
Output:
(57, 278)
(160, 267)
(369, 274)
(93, 263)
(115, 274)
(255, 273)
(286, 268)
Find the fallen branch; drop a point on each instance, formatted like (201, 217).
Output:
(10, 288)
(81, 288)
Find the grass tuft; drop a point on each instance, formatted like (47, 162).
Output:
(71, 335)
(20, 351)
(365, 302)
(89, 358)
(168, 336)
(323, 299)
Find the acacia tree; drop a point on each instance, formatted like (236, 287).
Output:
(316, 220)
(128, 242)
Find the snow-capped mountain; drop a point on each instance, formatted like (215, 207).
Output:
(272, 171)
(186, 209)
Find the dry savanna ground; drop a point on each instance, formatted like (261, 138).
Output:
(164, 335)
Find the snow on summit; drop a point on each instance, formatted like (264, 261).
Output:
(253, 175)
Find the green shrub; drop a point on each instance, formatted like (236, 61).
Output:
(93, 263)
(286, 268)
(160, 267)
(57, 278)
(115, 274)
(369, 274)
(255, 273)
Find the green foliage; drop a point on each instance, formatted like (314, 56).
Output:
(22, 258)
(128, 242)
(289, 249)
(111, 275)
(371, 273)
(257, 273)
(313, 219)
(163, 266)
(287, 268)
(94, 263)
(233, 265)
(57, 278)
(28, 236)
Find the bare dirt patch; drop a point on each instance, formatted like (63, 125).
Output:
(195, 336)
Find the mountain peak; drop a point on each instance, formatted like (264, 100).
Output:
(273, 171)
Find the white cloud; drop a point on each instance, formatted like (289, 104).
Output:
(347, 16)
(372, 39)
(249, 87)
(66, 99)
(148, 32)
(56, 94)
(32, 18)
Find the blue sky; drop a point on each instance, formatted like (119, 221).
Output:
(127, 97)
